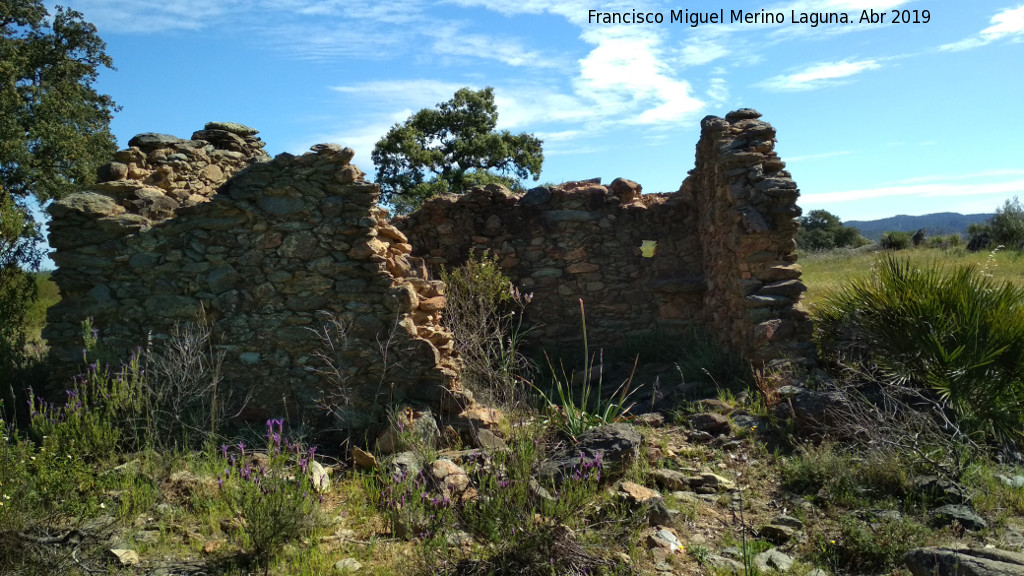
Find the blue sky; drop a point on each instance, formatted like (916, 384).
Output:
(873, 119)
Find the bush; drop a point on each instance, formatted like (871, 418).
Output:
(505, 509)
(895, 241)
(276, 498)
(20, 255)
(948, 241)
(838, 476)
(821, 230)
(952, 332)
(871, 547)
(1007, 226)
(101, 413)
(484, 312)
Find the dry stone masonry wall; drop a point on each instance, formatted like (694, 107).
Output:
(269, 251)
(282, 248)
(747, 221)
(718, 255)
(580, 240)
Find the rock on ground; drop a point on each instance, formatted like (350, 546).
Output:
(941, 561)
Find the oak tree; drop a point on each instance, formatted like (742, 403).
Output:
(54, 132)
(450, 148)
(822, 230)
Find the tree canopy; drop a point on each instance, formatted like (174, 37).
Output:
(450, 148)
(1005, 228)
(54, 125)
(54, 132)
(822, 230)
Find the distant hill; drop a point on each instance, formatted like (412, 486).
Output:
(938, 224)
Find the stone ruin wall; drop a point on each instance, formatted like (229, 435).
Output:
(577, 241)
(268, 250)
(283, 246)
(747, 223)
(724, 259)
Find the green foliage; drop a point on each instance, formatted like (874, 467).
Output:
(871, 547)
(522, 532)
(700, 359)
(895, 240)
(20, 254)
(1007, 226)
(103, 412)
(822, 230)
(947, 241)
(951, 331)
(54, 125)
(579, 411)
(54, 132)
(484, 311)
(276, 499)
(450, 148)
(839, 477)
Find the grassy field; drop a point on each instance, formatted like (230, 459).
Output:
(825, 271)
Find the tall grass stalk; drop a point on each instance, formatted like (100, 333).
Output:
(592, 409)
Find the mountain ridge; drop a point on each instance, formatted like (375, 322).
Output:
(937, 224)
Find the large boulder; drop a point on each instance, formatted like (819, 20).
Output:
(942, 561)
(610, 449)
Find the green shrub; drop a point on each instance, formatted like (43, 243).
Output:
(1007, 225)
(101, 413)
(821, 230)
(871, 547)
(522, 532)
(701, 359)
(895, 240)
(947, 241)
(20, 255)
(276, 499)
(484, 311)
(950, 331)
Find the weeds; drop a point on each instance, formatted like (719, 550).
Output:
(484, 311)
(184, 392)
(573, 416)
(870, 546)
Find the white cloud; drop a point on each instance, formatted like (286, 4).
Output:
(416, 93)
(718, 90)
(837, 5)
(701, 52)
(626, 76)
(1007, 24)
(452, 41)
(938, 189)
(573, 10)
(972, 176)
(147, 16)
(526, 106)
(818, 76)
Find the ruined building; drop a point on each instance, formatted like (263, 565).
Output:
(269, 251)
